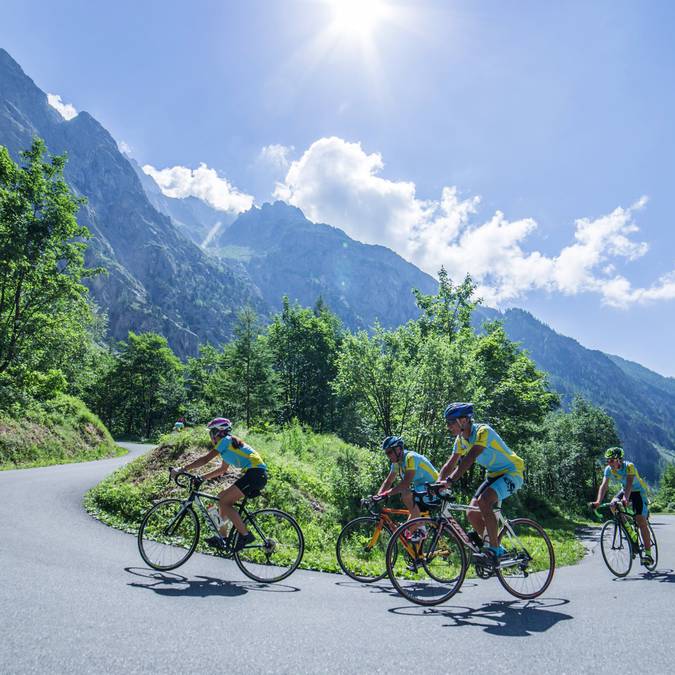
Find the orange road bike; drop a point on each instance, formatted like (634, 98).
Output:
(362, 544)
(436, 569)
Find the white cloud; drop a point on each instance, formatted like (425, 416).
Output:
(337, 182)
(204, 183)
(66, 110)
(125, 148)
(276, 155)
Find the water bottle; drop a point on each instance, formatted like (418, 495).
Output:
(215, 515)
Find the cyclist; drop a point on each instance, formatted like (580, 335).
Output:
(233, 451)
(480, 443)
(634, 488)
(413, 471)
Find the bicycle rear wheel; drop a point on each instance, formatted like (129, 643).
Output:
(278, 547)
(168, 534)
(617, 548)
(528, 569)
(362, 549)
(429, 572)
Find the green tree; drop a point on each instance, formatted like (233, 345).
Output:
(305, 345)
(250, 383)
(147, 385)
(44, 311)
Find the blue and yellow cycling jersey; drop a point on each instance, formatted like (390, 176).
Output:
(497, 457)
(425, 471)
(243, 458)
(627, 469)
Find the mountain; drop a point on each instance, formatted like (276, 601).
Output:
(285, 253)
(158, 280)
(641, 402)
(193, 217)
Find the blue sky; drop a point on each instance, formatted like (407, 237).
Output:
(413, 130)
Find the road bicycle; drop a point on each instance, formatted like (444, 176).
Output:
(169, 533)
(621, 540)
(438, 565)
(362, 544)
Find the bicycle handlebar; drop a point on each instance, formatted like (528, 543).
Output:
(193, 481)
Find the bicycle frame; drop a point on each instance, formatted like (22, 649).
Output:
(384, 518)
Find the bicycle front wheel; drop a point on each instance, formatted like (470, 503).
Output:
(277, 549)
(362, 549)
(616, 547)
(168, 534)
(527, 570)
(428, 572)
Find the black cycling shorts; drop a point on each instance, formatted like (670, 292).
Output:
(252, 482)
(640, 507)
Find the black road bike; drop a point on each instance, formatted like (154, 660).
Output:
(169, 533)
(621, 540)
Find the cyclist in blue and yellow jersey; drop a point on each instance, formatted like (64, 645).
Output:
(634, 488)
(480, 443)
(413, 471)
(233, 451)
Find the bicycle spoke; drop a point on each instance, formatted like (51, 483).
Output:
(616, 548)
(361, 549)
(277, 549)
(168, 534)
(428, 572)
(528, 568)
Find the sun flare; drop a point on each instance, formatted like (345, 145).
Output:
(358, 18)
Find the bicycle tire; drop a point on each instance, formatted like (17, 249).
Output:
(438, 569)
(155, 542)
(608, 544)
(282, 540)
(354, 540)
(534, 549)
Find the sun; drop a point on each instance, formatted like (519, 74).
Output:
(358, 18)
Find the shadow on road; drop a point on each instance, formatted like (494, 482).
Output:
(512, 618)
(664, 576)
(177, 585)
(385, 587)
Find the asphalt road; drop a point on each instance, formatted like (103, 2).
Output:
(75, 597)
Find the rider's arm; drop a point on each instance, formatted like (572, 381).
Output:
(447, 468)
(200, 461)
(387, 482)
(601, 492)
(467, 462)
(404, 485)
(222, 469)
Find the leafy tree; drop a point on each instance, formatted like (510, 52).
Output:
(305, 345)
(666, 494)
(146, 385)
(252, 385)
(44, 312)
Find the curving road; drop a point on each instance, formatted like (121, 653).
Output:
(75, 597)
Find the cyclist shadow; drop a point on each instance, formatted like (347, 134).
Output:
(663, 576)
(384, 587)
(507, 618)
(177, 585)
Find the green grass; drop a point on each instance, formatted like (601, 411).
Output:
(317, 478)
(59, 431)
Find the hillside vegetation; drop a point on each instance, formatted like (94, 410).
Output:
(58, 431)
(317, 478)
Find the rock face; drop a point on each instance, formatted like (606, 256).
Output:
(158, 279)
(285, 253)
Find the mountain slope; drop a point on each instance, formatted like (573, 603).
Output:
(285, 253)
(641, 402)
(158, 279)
